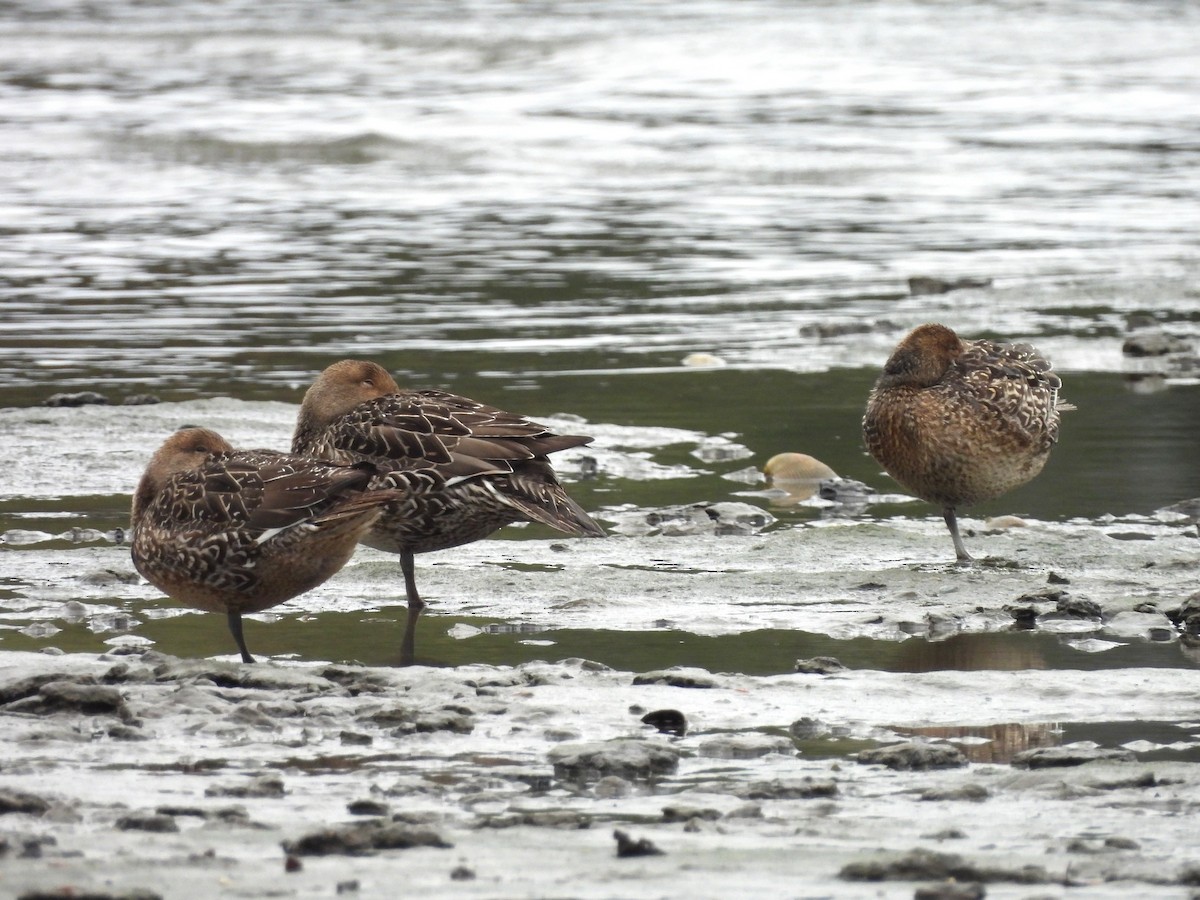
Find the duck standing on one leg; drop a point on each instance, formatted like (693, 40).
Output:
(238, 531)
(959, 422)
(355, 412)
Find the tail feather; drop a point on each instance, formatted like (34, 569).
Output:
(548, 504)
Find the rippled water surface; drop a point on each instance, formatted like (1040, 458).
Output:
(549, 206)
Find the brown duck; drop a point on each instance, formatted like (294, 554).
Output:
(238, 531)
(495, 462)
(959, 422)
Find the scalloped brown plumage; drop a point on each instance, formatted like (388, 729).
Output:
(496, 462)
(239, 531)
(958, 422)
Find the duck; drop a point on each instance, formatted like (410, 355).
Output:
(239, 531)
(495, 462)
(958, 422)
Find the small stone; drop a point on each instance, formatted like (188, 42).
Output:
(667, 721)
(627, 758)
(819, 665)
(80, 398)
(914, 757)
(687, 813)
(462, 873)
(682, 678)
(348, 887)
(140, 400)
(611, 787)
(806, 788)
(261, 786)
(1122, 843)
(1078, 608)
(950, 890)
(21, 802)
(1055, 578)
(292, 863)
(923, 285)
(627, 847)
(367, 807)
(356, 739)
(973, 793)
(147, 822)
(1061, 757)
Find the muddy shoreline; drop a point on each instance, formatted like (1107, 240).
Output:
(135, 770)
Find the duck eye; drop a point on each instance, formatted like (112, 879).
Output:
(369, 382)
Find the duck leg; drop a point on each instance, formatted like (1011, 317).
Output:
(960, 548)
(408, 646)
(235, 628)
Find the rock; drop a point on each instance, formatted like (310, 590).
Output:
(806, 788)
(260, 786)
(950, 890)
(140, 400)
(1078, 608)
(626, 757)
(1055, 578)
(627, 847)
(1154, 343)
(362, 838)
(914, 756)
(745, 746)
(974, 793)
(1061, 757)
(687, 813)
(462, 873)
(355, 739)
(72, 696)
(367, 807)
(611, 787)
(667, 721)
(806, 728)
(63, 892)
(677, 677)
(155, 822)
(81, 398)
(12, 801)
(929, 865)
(923, 285)
(819, 665)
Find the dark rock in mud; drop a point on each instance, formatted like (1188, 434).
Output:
(462, 873)
(627, 758)
(79, 398)
(819, 665)
(355, 739)
(368, 807)
(411, 720)
(140, 400)
(745, 746)
(806, 728)
(1055, 578)
(914, 757)
(1143, 780)
(1023, 616)
(628, 848)
(806, 788)
(928, 865)
(667, 721)
(950, 890)
(687, 813)
(363, 838)
(1045, 595)
(260, 786)
(1078, 608)
(974, 793)
(21, 802)
(1154, 343)
(155, 822)
(924, 285)
(64, 892)
(1061, 757)
(77, 696)
(683, 678)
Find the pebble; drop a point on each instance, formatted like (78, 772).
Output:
(682, 678)
(627, 847)
(806, 788)
(12, 801)
(259, 786)
(819, 665)
(914, 756)
(628, 758)
(667, 721)
(1061, 757)
(364, 837)
(154, 822)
